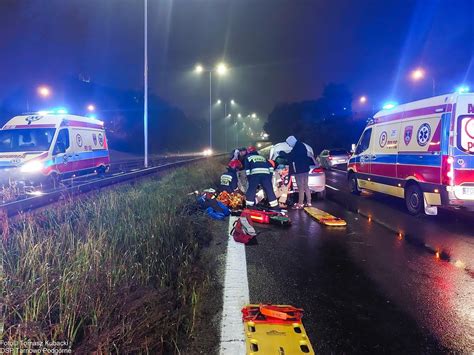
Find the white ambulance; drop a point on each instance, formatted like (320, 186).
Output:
(422, 151)
(43, 148)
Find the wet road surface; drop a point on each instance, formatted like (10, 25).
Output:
(451, 232)
(364, 289)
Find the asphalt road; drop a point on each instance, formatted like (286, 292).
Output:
(364, 288)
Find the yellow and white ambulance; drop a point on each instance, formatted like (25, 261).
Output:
(42, 148)
(422, 151)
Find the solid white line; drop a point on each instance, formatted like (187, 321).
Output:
(331, 187)
(236, 295)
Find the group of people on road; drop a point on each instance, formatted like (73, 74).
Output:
(248, 170)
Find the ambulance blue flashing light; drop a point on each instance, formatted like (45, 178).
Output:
(92, 116)
(389, 105)
(60, 110)
(462, 89)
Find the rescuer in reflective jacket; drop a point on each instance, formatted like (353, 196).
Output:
(229, 180)
(259, 172)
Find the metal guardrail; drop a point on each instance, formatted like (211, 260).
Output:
(30, 203)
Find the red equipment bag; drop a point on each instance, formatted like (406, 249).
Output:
(243, 230)
(267, 217)
(257, 215)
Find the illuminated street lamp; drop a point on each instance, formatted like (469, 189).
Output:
(44, 91)
(254, 115)
(199, 69)
(363, 99)
(419, 74)
(90, 108)
(220, 69)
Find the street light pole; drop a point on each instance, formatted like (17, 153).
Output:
(145, 101)
(221, 70)
(225, 125)
(210, 109)
(434, 86)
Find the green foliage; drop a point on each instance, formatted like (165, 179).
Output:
(323, 123)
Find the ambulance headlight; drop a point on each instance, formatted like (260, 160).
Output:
(32, 167)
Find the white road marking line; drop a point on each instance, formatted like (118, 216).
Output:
(236, 295)
(331, 187)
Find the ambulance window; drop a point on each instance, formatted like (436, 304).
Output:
(465, 136)
(364, 141)
(63, 137)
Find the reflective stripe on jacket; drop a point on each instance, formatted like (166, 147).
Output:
(256, 164)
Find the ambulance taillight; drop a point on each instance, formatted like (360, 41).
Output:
(447, 170)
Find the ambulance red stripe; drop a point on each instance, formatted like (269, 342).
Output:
(73, 123)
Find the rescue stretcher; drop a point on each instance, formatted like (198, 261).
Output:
(275, 329)
(325, 218)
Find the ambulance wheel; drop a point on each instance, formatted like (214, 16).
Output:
(353, 186)
(53, 180)
(101, 171)
(414, 199)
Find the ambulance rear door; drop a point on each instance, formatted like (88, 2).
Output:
(463, 150)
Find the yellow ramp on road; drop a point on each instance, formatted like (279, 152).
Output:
(324, 217)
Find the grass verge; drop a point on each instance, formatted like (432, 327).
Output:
(114, 271)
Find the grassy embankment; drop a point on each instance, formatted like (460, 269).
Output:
(115, 271)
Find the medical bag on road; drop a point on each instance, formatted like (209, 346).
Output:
(243, 230)
(267, 217)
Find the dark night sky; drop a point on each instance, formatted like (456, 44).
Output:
(278, 50)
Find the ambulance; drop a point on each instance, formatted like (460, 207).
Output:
(41, 149)
(422, 151)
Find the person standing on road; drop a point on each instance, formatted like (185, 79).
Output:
(259, 172)
(300, 161)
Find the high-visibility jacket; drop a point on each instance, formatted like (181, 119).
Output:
(229, 181)
(256, 164)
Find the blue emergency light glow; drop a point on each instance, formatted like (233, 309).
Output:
(389, 105)
(43, 113)
(462, 89)
(60, 110)
(92, 116)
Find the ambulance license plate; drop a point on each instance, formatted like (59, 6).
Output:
(468, 191)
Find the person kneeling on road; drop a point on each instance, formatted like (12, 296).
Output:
(229, 180)
(259, 172)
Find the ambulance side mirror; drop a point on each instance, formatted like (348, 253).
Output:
(353, 148)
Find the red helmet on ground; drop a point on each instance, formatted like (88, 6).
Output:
(251, 149)
(235, 164)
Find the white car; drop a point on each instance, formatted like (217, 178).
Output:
(317, 177)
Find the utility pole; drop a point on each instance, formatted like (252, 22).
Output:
(145, 101)
(210, 109)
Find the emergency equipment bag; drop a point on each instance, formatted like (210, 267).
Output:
(243, 230)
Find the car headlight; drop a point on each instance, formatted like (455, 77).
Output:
(32, 167)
